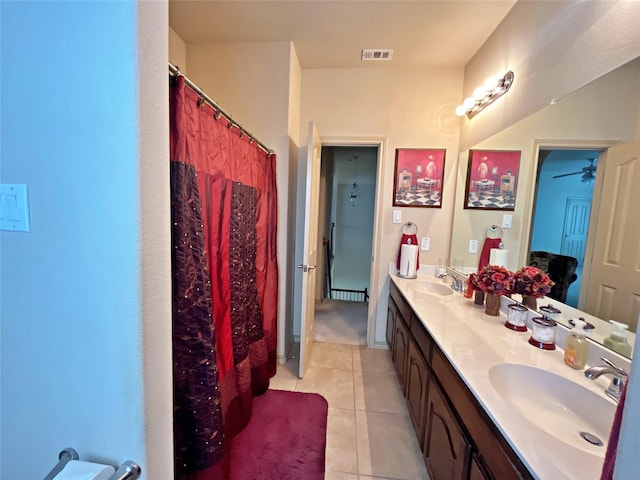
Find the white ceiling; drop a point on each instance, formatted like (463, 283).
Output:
(332, 33)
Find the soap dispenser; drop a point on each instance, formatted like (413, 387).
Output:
(576, 350)
(617, 341)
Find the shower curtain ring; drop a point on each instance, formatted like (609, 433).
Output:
(217, 115)
(200, 101)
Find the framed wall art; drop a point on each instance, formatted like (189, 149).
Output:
(492, 179)
(418, 177)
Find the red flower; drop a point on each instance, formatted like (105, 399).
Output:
(492, 279)
(531, 282)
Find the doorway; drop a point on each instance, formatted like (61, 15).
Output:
(565, 183)
(348, 177)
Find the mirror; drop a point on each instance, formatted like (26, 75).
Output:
(595, 117)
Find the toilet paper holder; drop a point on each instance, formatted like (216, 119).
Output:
(129, 470)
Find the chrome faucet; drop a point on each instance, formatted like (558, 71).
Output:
(617, 382)
(456, 283)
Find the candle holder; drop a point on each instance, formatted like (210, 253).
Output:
(517, 318)
(543, 333)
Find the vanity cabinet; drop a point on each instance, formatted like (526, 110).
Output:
(417, 386)
(446, 449)
(458, 439)
(398, 316)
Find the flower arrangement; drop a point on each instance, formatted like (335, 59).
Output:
(531, 282)
(492, 279)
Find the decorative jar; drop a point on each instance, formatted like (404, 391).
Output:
(543, 333)
(517, 318)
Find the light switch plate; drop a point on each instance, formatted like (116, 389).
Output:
(14, 207)
(473, 246)
(424, 243)
(506, 221)
(397, 216)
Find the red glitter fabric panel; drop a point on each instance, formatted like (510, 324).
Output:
(246, 318)
(198, 429)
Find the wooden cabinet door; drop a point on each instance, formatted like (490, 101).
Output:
(446, 449)
(416, 392)
(478, 471)
(401, 350)
(392, 312)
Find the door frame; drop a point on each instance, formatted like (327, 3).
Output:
(527, 216)
(380, 143)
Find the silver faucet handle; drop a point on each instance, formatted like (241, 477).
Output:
(621, 371)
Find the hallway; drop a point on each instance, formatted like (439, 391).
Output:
(339, 321)
(369, 431)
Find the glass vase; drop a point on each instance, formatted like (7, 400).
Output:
(478, 298)
(530, 302)
(492, 304)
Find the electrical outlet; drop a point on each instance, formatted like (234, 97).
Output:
(424, 243)
(473, 246)
(397, 216)
(506, 221)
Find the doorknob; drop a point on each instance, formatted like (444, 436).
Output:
(311, 267)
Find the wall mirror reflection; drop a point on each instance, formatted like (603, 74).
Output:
(579, 173)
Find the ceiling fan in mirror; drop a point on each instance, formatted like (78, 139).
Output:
(588, 173)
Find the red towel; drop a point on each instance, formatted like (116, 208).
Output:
(612, 446)
(489, 243)
(408, 240)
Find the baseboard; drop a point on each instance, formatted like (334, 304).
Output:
(381, 345)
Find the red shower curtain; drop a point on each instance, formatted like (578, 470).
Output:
(225, 281)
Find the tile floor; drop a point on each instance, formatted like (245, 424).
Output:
(369, 431)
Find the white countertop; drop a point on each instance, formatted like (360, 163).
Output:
(474, 342)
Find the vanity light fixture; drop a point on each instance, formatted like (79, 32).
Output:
(493, 89)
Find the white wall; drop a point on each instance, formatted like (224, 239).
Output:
(177, 51)
(411, 108)
(354, 223)
(86, 310)
(553, 48)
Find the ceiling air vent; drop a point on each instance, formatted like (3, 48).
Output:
(377, 54)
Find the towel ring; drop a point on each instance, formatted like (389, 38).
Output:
(411, 227)
(493, 229)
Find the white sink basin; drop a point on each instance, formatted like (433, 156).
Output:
(432, 288)
(556, 405)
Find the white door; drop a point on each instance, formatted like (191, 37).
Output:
(614, 281)
(310, 249)
(576, 227)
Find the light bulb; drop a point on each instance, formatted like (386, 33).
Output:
(468, 103)
(460, 110)
(479, 93)
(491, 82)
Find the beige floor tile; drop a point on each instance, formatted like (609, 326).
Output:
(388, 447)
(331, 355)
(286, 376)
(372, 359)
(333, 384)
(341, 455)
(378, 392)
(340, 476)
(367, 477)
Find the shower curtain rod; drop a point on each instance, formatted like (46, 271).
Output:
(175, 71)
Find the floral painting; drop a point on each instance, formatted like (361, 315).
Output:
(418, 178)
(492, 179)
